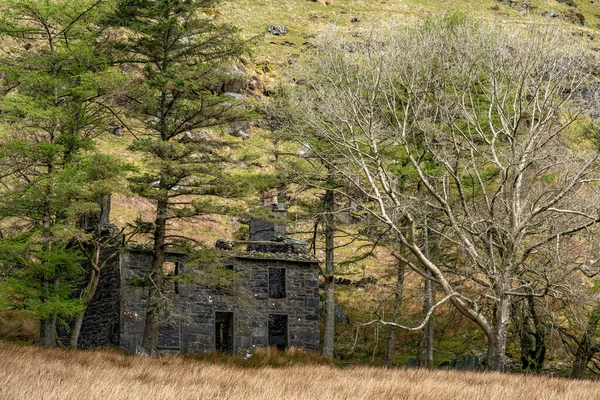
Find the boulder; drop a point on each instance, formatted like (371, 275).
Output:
(193, 137)
(235, 81)
(116, 130)
(239, 129)
(277, 30)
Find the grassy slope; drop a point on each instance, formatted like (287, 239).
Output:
(304, 18)
(33, 373)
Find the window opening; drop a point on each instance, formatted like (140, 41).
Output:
(277, 283)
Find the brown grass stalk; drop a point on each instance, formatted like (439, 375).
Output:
(33, 373)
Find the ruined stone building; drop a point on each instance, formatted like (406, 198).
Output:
(273, 302)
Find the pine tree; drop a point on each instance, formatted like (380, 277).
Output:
(180, 51)
(52, 81)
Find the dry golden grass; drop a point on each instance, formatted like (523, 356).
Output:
(32, 373)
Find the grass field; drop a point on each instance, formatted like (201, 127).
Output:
(33, 373)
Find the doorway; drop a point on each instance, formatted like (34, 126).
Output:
(224, 332)
(278, 331)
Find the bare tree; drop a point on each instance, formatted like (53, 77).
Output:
(488, 122)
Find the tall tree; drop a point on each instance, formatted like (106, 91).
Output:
(493, 111)
(52, 81)
(180, 50)
(587, 345)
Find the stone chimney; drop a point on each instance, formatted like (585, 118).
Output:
(273, 227)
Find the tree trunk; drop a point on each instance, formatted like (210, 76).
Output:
(532, 337)
(430, 324)
(155, 293)
(328, 340)
(87, 297)
(425, 347)
(76, 330)
(585, 348)
(391, 345)
(498, 335)
(46, 334)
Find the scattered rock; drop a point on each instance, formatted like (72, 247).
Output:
(369, 280)
(524, 8)
(142, 352)
(342, 281)
(116, 130)
(239, 129)
(575, 17)
(233, 95)
(236, 81)
(193, 137)
(340, 315)
(355, 19)
(569, 3)
(256, 84)
(277, 30)
(224, 244)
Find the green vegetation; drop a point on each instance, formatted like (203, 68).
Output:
(463, 116)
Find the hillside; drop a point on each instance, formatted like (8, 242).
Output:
(273, 58)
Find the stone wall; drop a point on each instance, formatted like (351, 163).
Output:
(190, 323)
(100, 327)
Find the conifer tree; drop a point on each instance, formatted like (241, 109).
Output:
(52, 81)
(180, 51)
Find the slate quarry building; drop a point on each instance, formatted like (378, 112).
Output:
(273, 301)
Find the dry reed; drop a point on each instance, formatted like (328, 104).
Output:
(32, 373)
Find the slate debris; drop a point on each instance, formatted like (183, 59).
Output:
(277, 30)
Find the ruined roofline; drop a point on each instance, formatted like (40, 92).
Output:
(147, 248)
(303, 257)
(287, 257)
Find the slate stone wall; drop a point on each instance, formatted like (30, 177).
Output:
(101, 322)
(190, 323)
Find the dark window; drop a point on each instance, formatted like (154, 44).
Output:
(278, 331)
(172, 268)
(224, 332)
(277, 283)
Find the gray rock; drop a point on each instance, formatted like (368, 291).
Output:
(341, 315)
(239, 129)
(193, 137)
(116, 130)
(233, 95)
(236, 80)
(277, 30)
